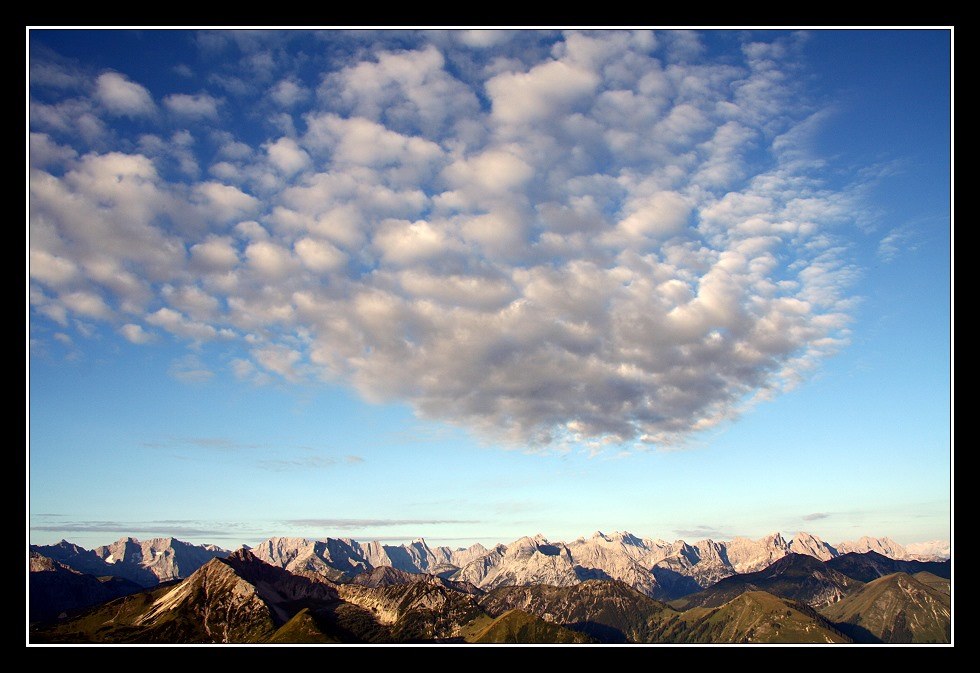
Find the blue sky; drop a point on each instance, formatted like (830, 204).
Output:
(474, 285)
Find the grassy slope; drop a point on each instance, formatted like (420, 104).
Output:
(302, 629)
(753, 617)
(940, 584)
(517, 626)
(896, 608)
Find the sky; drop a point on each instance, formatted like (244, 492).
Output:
(470, 285)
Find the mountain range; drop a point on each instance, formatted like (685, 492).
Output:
(605, 588)
(659, 569)
(240, 598)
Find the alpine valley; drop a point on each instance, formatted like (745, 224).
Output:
(606, 588)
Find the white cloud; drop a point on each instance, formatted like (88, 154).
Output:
(895, 242)
(361, 142)
(407, 91)
(547, 90)
(215, 254)
(493, 172)
(51, 269)
(136, 334)
(402, 242)
(287, 156)
(269, 260)
(226, 202)
(319, 255)
(540, 241)
(88, 304)
(193, 106)
(289, 92)
(193, 301)
(190, 369)
(178, 324)
(280, 360)
(122, 96)
(480, 39)
(45, 152)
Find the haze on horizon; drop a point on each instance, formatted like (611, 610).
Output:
(474, 285)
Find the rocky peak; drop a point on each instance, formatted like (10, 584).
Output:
(805, 543)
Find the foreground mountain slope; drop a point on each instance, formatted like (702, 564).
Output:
(796, 576)
(516, 626)
(611, 612)
(608, 611)
(237, 599)
(302, 629)
(896, 608)
(54, 589)
(754, 617)
(428, 608)
(940, 584)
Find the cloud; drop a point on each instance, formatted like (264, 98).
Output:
(594, 238)
(546, 91)
(131, 528)
(315, 462)
(45, 152)
(194, 106)
(356, 524)
(287, 156)
(481, 39)
(896, 242)
(288, 93)
(407, 91)
(224, 443)
(703, 532)
(122, 96)
(190, 369)
(87, 304)
(136, 334)
(816, 516)
(180, 325)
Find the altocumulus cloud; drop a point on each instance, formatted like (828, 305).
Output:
(593, 237)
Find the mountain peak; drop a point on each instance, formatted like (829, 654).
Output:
(244, 555)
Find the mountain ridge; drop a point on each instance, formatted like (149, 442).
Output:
(659, 569)
(243, 599)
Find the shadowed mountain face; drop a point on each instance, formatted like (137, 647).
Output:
(606, 611)
(428, 608)
(795, 576)
(872, 565)
(55, 589)
(896, 608)
(237, 599)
